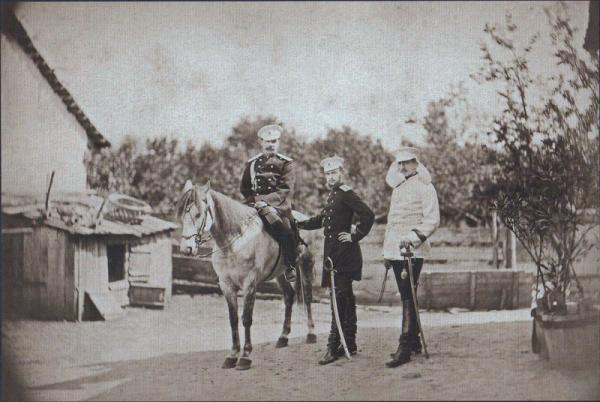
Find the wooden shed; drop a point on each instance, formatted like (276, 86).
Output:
(73, 262)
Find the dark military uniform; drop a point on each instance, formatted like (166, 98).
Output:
(271, 179)
(336, 217)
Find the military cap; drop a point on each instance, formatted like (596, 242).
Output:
(332, 163)
(404, 154)
(270, 132)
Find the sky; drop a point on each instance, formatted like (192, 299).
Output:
(193, 70)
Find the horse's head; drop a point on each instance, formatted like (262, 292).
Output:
(193, 209)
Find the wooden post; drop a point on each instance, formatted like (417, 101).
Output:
(513, 248)
(510, 255)
(472, 288)
(515, 290)
(495, 238)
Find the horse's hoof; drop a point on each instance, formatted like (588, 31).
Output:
(311, 338)
(281, 342)
(229, 363)
(243, 363)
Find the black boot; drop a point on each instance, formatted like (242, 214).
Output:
(402, 355)
(333, 341)
(286, 237)
(350, 323)
(405, 343)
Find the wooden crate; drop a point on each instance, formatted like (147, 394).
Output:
(147, 295)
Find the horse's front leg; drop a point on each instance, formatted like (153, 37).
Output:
(288, 299)
(244, 361)
(231, 296)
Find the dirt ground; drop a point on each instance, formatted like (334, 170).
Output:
(176, 354)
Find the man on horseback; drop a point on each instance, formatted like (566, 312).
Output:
(413, 217)
(267, 184)
(341, 245)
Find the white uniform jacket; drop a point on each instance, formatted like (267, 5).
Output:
(414, 212)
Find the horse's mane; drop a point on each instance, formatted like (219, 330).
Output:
(231, 215)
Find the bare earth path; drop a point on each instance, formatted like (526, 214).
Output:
(176, 354)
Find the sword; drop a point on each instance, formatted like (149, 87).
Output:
(408, 255)
(328, 266)
(383, 285)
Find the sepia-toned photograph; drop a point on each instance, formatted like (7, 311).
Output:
(336, 200)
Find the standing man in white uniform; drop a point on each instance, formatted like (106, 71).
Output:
(413, 217)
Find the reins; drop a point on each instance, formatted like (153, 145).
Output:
(198, 235)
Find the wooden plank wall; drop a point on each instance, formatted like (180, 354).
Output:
(91, 270)
(161, 262)
(41, 273)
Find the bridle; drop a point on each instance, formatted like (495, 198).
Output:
(200, 229)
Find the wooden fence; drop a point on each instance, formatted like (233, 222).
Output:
(459, 273)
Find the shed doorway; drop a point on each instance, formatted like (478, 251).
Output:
(116, 262)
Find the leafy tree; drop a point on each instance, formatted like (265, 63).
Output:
(549, 161)
(460, 173)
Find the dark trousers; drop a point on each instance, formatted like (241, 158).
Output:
(409, 336)
(346, 304)
(283, 229)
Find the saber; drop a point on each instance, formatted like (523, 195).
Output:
(408, 255)
(383, 285)
(329, 267)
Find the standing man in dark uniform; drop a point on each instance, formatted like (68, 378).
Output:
(341, 245)
(267, 184)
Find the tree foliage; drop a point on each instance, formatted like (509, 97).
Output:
(549, 157)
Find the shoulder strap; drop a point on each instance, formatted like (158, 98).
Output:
(285, 158)
(345, 188)
(255, 157)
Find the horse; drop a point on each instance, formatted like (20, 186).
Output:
(243, 256)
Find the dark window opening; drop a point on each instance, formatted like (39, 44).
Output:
(116, 262)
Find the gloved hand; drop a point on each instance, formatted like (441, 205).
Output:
(406, 241)
(387, 264)
(260, 204)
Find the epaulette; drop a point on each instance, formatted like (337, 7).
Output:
(345, 188)
(255, 157)
(285, 158)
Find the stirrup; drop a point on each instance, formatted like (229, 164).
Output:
(290, 274)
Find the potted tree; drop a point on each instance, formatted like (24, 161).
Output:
(546, 184)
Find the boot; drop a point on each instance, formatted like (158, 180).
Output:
(290, 255)
(349, 325)
(329, 357)
(406, 341)
(402, 355)
(415, 344)
(286, 238)
(333, 341)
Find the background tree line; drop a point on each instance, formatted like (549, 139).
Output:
(155, 170)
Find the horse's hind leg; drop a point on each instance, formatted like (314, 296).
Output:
(288, 299)
(306, 281)
(244, 361)
(232, 304)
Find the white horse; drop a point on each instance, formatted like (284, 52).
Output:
(244, 255)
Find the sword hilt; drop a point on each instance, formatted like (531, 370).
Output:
(407, 253)
(328, 265)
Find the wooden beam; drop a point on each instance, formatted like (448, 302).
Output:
(17, 231)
